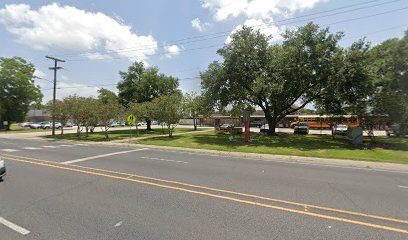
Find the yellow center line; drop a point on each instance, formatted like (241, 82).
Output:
(69, 168)
(227, 191)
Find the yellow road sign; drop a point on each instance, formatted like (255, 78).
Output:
(131, 119)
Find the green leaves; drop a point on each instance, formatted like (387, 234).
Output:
(17, 89)
(140, 84)
(308, 66)
(389, 65)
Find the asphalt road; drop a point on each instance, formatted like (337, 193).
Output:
(64, 190)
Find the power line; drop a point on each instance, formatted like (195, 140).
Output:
(225, 33)
(330, 24)
(156, 54)
(40, 78)
(378, 31)
(110, 84)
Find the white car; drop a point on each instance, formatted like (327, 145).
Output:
(25, 124)
(35, 125)
(117, 124)
(340, 129)
(48, 125)
(2, 169)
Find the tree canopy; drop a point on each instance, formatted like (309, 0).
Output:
(140, 84)
(17, 89)
(308, 66)
(389, 62)
(106, 96)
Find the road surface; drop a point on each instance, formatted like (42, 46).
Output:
(68, 190)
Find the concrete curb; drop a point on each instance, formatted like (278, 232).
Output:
(345, 163)
(379, 166)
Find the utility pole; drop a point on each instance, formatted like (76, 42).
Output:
(55, 68)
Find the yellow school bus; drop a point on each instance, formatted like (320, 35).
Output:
(327, 121)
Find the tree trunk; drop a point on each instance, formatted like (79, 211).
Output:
(195, 124)
(170, 132)
(106, 133)
(149, 125)
(78, 130)
(272, 122)
(62, 130)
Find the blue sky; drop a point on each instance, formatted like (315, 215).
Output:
(100, 38)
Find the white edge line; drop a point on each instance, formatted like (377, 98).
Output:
(13, 226)
(101, 156)
(166, 160)
(289, 162)
(400, 186)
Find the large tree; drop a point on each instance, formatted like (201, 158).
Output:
(17, 89)
(168, 109)
(306, 67)
(106, 95)
(140, 84)
(389, 61)
(194, 106)
(61, 112)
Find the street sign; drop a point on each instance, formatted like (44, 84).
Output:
(131, 119)
(245, 116)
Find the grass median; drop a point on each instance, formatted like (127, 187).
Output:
(117, 134)
(15, 128)
(393, 150)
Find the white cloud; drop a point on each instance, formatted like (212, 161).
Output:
(198, 25)
(259, 14)
(70, 28)
(98, 56)
(261, 9)
(171, 51)
(40, 74)
(224, 9)
(258, 24)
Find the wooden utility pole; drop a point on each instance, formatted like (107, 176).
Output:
(55, 68)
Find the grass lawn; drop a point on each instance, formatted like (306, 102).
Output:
(117, 134)
(14, 128)
(380, 150)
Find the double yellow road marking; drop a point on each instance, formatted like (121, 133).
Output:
(198, 191)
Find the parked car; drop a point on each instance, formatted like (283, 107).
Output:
(2, 169)
(69, 124)
(25, 124)
(394, 130)
(35, 125)
(264, 128)
(48, 125)
(340, 129)
(301, 127)
(118, 124)
(227, 125)
(257, 124)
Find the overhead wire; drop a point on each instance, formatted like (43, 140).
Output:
(216, 36)
(226, 33)
(218, 45)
